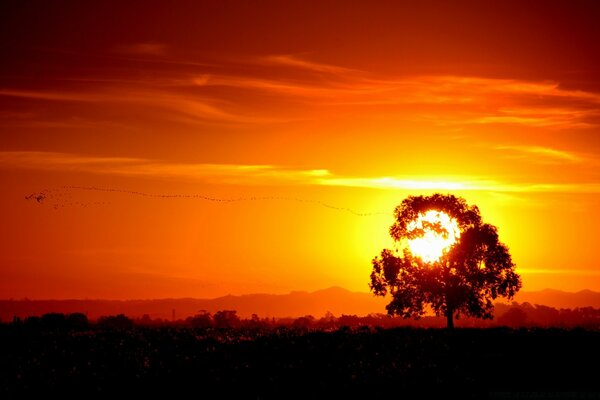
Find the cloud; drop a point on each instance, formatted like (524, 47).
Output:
(140, 167)
(475, 100)
(459, 100)
(42, 159)
(180, 106)
(543, 154)
(237, 174)
(45, 95)
(458, 184)
(547, 271)
(293, 61)
(540, 117)
(233, 92)
(394, 183)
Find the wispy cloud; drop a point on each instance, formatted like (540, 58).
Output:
(42, 159)
(228, 93)
(140, 167)
(293, 61)
(548, 271)
(542, 154)
(460, 100)
(459, 184)
(46, 95)
(194, 108)
(394, 183)
(269, 174)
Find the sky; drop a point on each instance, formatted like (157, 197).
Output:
(198, 149)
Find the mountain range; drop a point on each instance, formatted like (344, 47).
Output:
(335, 300)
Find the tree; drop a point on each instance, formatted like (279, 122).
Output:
(201, 320)
(117, 322)
(226, 319)
(78, 321)
(53, 321)
(467, 276)
(515, 317)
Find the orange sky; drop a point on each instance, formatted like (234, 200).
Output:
(310, 113)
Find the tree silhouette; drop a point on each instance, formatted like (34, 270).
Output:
(465, 279)
(226, 319)
(201, 320)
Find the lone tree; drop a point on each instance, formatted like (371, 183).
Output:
(446, 258)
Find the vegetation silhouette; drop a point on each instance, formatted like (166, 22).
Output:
(466, 278)
(116, 322)
(344, 357)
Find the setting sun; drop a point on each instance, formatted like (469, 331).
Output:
(439, 233)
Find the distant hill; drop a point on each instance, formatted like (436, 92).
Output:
(295, 304)
(559, 299)
(335, 300)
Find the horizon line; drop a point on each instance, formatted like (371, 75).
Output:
(263, 294)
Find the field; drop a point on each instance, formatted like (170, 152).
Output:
(296, 363)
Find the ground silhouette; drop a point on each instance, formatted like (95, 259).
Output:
(308, 358)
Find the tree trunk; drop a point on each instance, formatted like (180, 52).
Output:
(450, 319)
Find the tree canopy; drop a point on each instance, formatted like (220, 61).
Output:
(468, 275)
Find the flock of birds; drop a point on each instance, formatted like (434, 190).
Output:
(64, 197)
(61, 198)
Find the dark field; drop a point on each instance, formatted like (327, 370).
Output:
(290, 363)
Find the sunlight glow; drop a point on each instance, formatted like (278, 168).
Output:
(440, 232)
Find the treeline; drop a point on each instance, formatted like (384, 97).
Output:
(528, 315)
(513, 316)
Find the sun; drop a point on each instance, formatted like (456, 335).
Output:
(436, 233)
